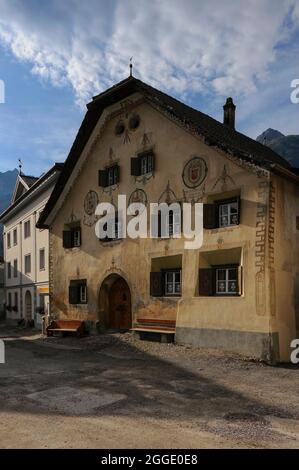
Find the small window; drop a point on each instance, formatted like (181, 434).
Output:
(78, 292)
(9, 270)
(27, 229)
(228, 213)
(109, 176)
(72, 237)
(8, 240)
(42, 259)
(9, 304)
(174, 223)
(220, 280)
(27, 264)
(173, 283)
(225, 213)
(143, 164)
(15, 237)
(165, 283)
(226, 281)
(112, 175)
(146, 164)
(15, 268)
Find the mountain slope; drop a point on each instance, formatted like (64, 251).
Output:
(7, 184)
(285, 145)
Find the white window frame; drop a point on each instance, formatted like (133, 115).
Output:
(228, 205)
(112, 175)
(76, 238)
(174, 225)
(170, 280)
(226, 280)
(146, 164)
(83, 294)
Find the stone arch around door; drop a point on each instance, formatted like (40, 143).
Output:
(115, 303)
(28, 305)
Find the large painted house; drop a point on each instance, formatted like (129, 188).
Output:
(240, 290)
(26, 249)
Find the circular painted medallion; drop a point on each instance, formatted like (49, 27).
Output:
(90, 202)
(195, 172)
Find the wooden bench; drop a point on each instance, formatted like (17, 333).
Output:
(155, 329)
(66, 326)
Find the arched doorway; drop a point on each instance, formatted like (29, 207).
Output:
(28, 305)
(115, 303)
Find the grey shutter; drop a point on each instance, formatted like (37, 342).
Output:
(207, 281)
(210, 216)
(67, 239)
(73, 293)
(156, 284)
(135, 166)
(103, 178)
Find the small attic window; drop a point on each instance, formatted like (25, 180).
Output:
(119, 128)
(134, 122)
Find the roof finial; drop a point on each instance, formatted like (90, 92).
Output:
(20, 166)
(131, 67)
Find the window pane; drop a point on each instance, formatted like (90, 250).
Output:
(224, 209)
(221, 274)
(232, 274)
(232, 286)
(221, 286)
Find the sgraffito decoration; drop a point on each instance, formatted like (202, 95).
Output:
(90, 203)
(138, 196)
(194, 172)
(194, 196)
(224, 179)
(168, 195)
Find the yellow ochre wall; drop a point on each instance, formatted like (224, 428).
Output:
(244, 324)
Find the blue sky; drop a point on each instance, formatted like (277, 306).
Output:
(54, 56)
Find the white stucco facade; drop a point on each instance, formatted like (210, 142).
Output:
(26, 250)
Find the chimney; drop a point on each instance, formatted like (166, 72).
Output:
(229, 113)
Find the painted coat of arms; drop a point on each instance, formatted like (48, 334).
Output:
(195, 172)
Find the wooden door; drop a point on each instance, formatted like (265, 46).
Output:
(120, 306)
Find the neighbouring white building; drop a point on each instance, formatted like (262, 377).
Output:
(2, 291)
(26, 248)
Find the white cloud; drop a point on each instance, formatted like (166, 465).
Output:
(182, 47)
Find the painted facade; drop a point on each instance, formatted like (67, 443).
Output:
(26, 249)
(238, 292)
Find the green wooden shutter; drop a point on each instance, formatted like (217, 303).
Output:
(117, 174)
(156, 284)
(67, 239)
(210, 216)
(135, 166)
(103, 178)
(73, 293)
(207, 281)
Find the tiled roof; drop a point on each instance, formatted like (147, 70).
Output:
(214, 132)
